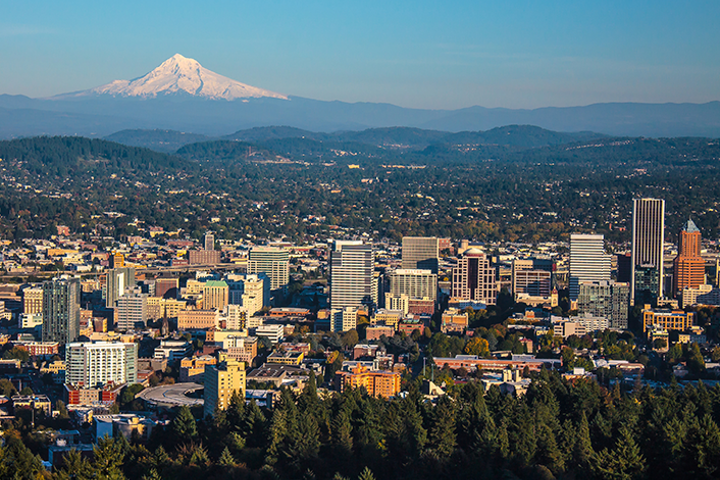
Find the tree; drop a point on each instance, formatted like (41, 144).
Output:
(350, 338)
(625, 462)
(477, 346)
(184, 427)
(108, 460)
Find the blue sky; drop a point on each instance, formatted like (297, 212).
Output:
(414, 54)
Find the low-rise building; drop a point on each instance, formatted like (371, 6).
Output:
(378, 384)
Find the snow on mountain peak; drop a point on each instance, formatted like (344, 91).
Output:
(179, 74)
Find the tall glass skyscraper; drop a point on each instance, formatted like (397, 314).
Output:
(648, 236)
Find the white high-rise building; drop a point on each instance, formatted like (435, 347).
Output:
(132, 309)
(588, 261)
(413, 283)
(343, 319)
(648, 236)
(273, 262)
(351, 274)
(93, 365)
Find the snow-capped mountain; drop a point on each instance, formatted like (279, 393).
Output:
(180, 75)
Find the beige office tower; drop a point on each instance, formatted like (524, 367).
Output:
(414, 283)
(221, 382)
(33, 300)
(273, 262)
(473, 278)
(215, 294)
(420, 253)
(648, 236)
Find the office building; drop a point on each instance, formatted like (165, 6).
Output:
(420, 253)
(474, 278)
(666, 319)
(414, 283)
(118, 280)
(198, 319)
(378, 384)
(222, 381)
(688, 266)
(351, 274)
(588, 261)
(166, 287)
(204, 257)
(215, 294)
(250, 291)
(648, 236)
(61, 310)
(605, 299)
(273, 262)
(92, 365)
(529, 280)
(32, 300)
(343, 319)
(209, 241)
(132, 311)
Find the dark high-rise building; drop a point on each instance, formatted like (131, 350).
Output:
(420, 253)
(648, 236)
(61, 310)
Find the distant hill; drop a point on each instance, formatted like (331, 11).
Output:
(76, 157)
(167, 141)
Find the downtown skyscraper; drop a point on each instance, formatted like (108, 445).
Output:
(588, 261)
(351, 274)
(648, 236)
(61, 310)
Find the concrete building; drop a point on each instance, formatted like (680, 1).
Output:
(209, 241)
(94, 365)
(33, 300)
(420, 253)
(198, 319)
(588, 261)
(222, 381)
(474, 278)
(702, 295)
(166, 286)
(414, 283)
(378, 384)
(252, 291)
(351, 274)
(273, 262)
(274, 333)
(529, 280)
(453, 320)
(667, 319)
(204, 257)
(215, 294)
(61, 310)
(118, 281)
(343, 319)
(648, 237)
(688, 266)
(132, 310)
(606, 299)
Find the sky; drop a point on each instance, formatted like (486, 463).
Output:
(421, 54)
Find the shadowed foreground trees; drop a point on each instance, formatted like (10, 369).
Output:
(557, 430)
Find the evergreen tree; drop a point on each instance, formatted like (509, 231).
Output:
(184, 428)
(226, 459)
(74, 467)
(108, 459)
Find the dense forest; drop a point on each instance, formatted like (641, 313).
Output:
(299, 188)
(558, 429)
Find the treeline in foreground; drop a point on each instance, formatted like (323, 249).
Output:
(557, 430)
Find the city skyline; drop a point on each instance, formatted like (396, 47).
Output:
(520, 56)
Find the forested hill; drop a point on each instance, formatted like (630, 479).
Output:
(53, 157)
(527, 136)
